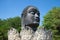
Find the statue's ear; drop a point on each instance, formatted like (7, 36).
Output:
(21, 15)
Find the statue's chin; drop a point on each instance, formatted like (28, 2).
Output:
(35, 25)
(35, 22)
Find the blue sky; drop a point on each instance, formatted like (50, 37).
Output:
(12, 8)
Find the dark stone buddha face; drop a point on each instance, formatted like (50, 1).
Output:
(31, 17)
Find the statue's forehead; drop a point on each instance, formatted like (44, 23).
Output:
(31, 8)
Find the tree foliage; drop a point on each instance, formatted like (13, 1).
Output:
(52, 21)
(6, 24)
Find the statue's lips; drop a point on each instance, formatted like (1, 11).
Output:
(37, 19)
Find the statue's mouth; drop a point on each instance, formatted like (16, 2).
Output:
(37, 19)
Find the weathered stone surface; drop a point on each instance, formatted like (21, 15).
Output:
(26, 34)
(13, 34)
(42, 34)
(29, 34)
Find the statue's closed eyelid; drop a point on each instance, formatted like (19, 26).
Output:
(31, 12)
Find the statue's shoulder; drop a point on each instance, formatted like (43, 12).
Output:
(42, 33)
(13, 34)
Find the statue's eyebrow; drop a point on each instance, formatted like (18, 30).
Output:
(34, 10)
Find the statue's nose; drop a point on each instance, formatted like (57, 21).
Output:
(36, 15)
(37, 18)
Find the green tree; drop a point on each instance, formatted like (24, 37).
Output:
(6, 24)
(14, 22)
(52, 21)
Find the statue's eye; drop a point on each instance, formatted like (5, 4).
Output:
(32, 12)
